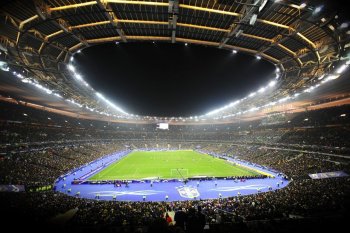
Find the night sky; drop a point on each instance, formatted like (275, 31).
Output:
(164, 79)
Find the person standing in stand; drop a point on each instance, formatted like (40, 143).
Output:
(180, 218)
(168, 219)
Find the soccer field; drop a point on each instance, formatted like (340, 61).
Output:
(169, 164)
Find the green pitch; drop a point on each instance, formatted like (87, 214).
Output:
(169, 164)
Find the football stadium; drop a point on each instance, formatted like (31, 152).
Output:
(186, 116)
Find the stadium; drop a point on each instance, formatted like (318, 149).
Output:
(246, 128)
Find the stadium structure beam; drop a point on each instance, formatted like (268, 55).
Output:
(202, 27)
(47, 37)
(38, 69)
(185, 40)
(257, 37)
(76, 47)
(248, 12)
(277, 41)
(130, 21)
(118, 38)
(179, 24)
(39, 72)
(173, 11)
(104, 39)
(252, 51)
(44, 12)
(153, 38)
(77, 5)
(287, 49)
(118, 21)
(60, 55)
(201, 42)
(5, 43)
(293, 31)
(300, 35)
(89, 24)
(30, 52)
(185, 6)
(268, 57)
(149, 3)
(141, 21)
(107, 11)
(271, 23)
(41, 47)
(325, 60)
(35, 34)
(274, 24)
(21, 25)
(32, 66)
(210, 10)
(306, 39)
(164, 23)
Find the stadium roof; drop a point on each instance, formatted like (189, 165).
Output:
(308, 46)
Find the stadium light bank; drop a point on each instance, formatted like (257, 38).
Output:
(336, 74)
(80, 79)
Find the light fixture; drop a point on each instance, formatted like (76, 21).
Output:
(303, 5)
(71, 67)
(272, 83)
(4, 66)
(341, 69)
(239, 33)
(261, 90)
(262, 5)
(253, 19)
(318, 9)
(79, 77)
(344, 25)
(252, 94)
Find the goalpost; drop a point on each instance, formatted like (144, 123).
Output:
(179, 173)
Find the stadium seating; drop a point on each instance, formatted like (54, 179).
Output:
(36, 148)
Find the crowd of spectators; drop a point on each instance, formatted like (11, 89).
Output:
(42, 167)
(301, 199)
(325, 128)
(296, 165)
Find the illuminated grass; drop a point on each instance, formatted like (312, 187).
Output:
(145, 164)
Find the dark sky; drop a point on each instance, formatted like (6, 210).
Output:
(164, 79)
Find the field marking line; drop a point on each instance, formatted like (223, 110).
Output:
(135, 173)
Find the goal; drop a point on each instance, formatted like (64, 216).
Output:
(179, 173)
